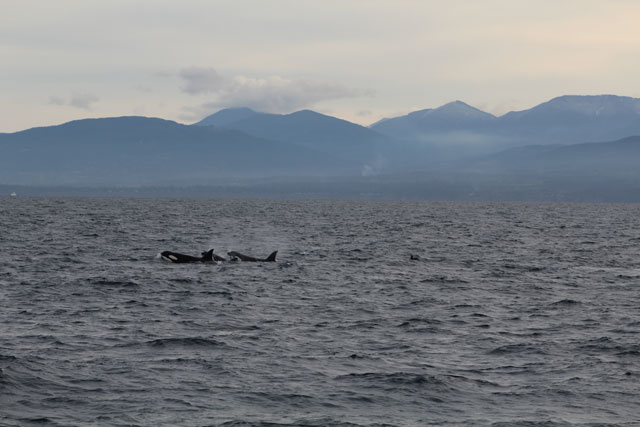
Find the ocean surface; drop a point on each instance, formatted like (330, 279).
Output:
(513, 314)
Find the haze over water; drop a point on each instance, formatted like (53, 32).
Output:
(514, 314)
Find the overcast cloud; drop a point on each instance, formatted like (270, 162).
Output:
(83, 101)
(330, 55)
(200, 81)
(271, 94)
(56, 100)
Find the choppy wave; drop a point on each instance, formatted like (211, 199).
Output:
(185, 342)
(376, 314)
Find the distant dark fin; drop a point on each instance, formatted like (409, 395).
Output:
(207, 256)
(272, 257)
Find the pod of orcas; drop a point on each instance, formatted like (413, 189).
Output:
(209, 256)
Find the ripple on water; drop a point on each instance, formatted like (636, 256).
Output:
(509, 314)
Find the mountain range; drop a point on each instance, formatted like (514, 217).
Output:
(615, 159)
(146, 151)
(240, 143)
(305, 128)
(563, 120)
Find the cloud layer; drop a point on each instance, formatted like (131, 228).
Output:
(199, 81)
(273, 94)
(283, 55)
(82, 101)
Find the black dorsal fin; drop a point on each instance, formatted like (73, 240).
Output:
(272, 257)
(207, 256)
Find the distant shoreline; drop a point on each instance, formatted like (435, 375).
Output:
(429, 188)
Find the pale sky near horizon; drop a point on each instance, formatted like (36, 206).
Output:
(360, 60)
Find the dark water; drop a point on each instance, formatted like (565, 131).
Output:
(515, 314)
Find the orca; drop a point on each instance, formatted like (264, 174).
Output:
(238, 256)
(218, 258)
(208, 256)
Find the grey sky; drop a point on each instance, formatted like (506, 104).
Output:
(356, 59)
